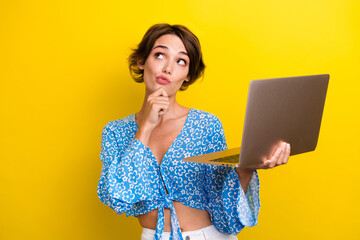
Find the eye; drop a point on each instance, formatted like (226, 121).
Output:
(159, 55)
(182, 62)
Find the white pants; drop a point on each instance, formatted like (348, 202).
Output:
(207, 233)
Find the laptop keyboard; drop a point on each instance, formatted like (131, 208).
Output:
(229, 159)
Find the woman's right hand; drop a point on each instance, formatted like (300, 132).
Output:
(156, 105)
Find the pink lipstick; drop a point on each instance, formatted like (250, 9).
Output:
(162, 80)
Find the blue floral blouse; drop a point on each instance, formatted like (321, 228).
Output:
(132, 181)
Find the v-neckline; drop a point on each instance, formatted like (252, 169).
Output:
(177, 137)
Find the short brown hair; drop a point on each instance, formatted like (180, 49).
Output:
(190, 41)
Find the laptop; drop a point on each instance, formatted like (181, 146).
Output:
(279, 109)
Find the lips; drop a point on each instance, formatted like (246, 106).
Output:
(162, 80)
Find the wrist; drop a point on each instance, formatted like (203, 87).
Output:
(146, 128)
(143, 134)
(244, 172)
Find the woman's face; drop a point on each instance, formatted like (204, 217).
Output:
(167, 65)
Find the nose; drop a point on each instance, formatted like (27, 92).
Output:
(167, 68)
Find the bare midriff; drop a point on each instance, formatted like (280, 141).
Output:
(190, 219)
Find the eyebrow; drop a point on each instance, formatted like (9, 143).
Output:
(166, 48)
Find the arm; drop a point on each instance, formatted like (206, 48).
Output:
(233, 199)
(244, 176)
(230, 208)
(155, 106)
(124, 176)
(127, 175)
(280, 157)
(234, 193)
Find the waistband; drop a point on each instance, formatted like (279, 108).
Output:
(202, 233)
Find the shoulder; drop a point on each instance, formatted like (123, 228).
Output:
(211, 129)
(126, 123)
(205, 116)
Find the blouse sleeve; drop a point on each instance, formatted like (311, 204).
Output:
(230, 208)
(124, 178)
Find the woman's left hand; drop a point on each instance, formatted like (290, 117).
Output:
(280, 157)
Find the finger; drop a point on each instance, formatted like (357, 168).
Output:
(163, 92)
(161, 107)
(163, 111)
(282, 154)
(288, 150)
(158, 92)
(157, 98)
(275, 158)
(155, 103)
(266, 164)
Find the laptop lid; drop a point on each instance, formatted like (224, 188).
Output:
(280, 109)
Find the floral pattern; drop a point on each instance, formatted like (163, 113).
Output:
(133, 182)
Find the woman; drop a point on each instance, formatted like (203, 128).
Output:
(142, 172)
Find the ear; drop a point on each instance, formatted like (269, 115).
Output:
(140, 65)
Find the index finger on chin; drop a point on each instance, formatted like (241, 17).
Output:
(163, 92)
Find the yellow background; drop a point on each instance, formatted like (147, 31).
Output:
(64, 75)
